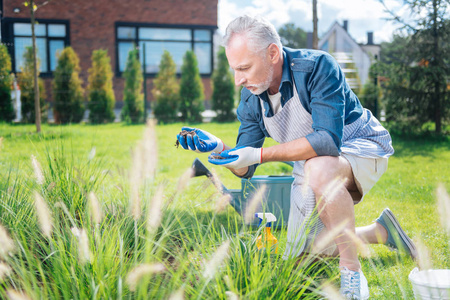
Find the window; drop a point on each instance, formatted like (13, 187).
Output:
(51, 38)
(155, 40)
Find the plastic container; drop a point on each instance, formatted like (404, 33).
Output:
(276, 200)
(267, 239)
(430, 284)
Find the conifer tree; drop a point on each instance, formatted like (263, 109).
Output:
(100, 89)
(191, 89)
(223, 89)
(68, 93)
(133, 98)
(25, 79)
(6, 79)
(166, 90)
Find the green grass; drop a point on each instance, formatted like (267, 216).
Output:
(191, 230)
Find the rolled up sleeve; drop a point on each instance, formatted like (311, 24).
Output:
(250, 133)
(327, 89)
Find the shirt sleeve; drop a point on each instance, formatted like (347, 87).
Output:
(250, 133)
(327, 88)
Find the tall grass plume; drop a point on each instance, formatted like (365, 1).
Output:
(254, 203)
(231, 296)
(216, 260)
(144, 157)
(37, 170)
(177, 295)
(140, 271)
(6, 243)
(96, 212)
(154, 213)
(15, 295)
(43, 214)
(443, 201)
(5, 270)
(184, 179)
(84, 254)
(424, 258)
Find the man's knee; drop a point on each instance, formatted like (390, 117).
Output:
(319, 171)
(323, 171)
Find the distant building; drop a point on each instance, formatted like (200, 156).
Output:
(114, 25)
(355, 59)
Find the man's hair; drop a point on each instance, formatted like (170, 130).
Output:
(259, 32)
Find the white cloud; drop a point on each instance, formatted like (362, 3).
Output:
(276, 11)
(363, 15)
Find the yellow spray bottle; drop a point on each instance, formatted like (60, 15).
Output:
(267, 239)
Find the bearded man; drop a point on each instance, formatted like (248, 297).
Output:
(300, 98)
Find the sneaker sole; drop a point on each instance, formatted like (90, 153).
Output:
(409, 243)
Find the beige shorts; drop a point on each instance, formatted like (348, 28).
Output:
(366, 172)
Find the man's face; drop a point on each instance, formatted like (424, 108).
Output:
(252, 70)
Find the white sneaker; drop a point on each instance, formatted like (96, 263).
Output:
(353, 285)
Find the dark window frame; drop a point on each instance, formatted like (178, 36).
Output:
(8, 36)
(136, 41)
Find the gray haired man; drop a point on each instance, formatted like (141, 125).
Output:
(300, 98)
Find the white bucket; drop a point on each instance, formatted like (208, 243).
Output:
(430, 284)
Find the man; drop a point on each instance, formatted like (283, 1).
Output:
(300, 99)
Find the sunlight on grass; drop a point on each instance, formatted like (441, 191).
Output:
(112, 211)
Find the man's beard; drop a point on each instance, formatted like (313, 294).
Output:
(259, 88)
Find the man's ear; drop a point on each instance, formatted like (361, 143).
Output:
(274, 53)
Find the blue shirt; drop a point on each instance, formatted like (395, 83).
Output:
(323, 92)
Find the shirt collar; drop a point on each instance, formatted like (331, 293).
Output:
(286, 76)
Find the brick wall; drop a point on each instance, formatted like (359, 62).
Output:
(92, 24)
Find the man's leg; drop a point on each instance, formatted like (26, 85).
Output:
(374, 233)
(387, 230)
(335, 204)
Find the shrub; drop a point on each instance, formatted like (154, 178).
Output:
(166, 90)
(25, 79)
(223, 89)
(68, 93)
(101, 93)
(369, 95)
(6, 105)
(133, 98)
(191, 89)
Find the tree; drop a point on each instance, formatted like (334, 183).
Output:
(191, 89)
(223, 89)
(133, 99)
(100, 89)
(315, 42)
(416, 89)
(25, 79)
(166, 90)
(370, 93)
(6, 80)
(68, 93)
(291, 36)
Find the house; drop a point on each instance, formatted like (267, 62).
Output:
(114, 25)
(355, 59)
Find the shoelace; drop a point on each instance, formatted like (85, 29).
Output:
(350, 284)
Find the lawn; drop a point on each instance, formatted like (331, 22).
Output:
(172, 239)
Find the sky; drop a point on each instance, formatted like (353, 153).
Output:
(362, 15)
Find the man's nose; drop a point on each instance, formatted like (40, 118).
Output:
(239, 79)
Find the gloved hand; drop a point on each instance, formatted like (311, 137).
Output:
(237, 158)
(202, 141)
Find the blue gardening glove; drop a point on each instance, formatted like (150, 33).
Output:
(203, 141)
(237, 158)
